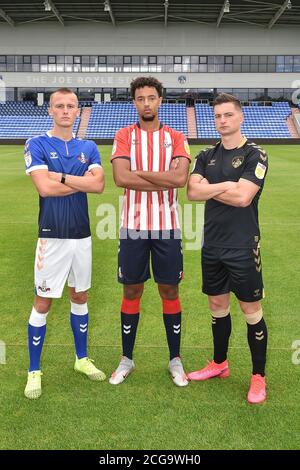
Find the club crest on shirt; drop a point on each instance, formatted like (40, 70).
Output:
(167, 143)
(82, 158)
(237, 161)
(260, 171)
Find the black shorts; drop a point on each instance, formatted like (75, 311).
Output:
(135, 248)
(227, 270)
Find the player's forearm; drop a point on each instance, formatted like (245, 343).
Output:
(233, 197)
(130, 180)
(54, 189)
(204, 192)
(85, 184)
(166, 179)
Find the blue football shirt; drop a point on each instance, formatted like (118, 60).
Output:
(62, 216)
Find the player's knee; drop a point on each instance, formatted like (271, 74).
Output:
(132, 292)
(218, 306)
(168, 292)
(254, 317)
(42, 304)
(78, 297)
(221, 312)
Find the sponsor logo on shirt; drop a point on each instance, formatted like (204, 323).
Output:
(237, 161)
(187, 147)
(260, 171)
(27, 158)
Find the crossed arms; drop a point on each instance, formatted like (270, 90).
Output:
(175, 177)
(237, 194)
(48, 183)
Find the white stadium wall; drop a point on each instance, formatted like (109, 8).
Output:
(148, 39)
(170, 80)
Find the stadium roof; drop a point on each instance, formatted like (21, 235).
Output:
(264, 14)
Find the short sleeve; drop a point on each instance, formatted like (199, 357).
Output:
(199, 165)
(256, 167)
(95, 159)
(34, 156)
(121, 146)
(180, 146)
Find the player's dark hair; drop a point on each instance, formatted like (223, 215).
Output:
(64, 91)
(227, 98)
(141, 82)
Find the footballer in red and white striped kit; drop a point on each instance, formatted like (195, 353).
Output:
(150, 161)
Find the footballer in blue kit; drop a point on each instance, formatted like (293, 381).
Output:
(62, 217)
(63, 169)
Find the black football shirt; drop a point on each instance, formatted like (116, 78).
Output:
(226, 226)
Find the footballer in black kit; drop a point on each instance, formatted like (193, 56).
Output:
(231, 254)
(230, 177)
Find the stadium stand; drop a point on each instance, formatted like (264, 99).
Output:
(107, 118)
(24, 119)
(260, 121)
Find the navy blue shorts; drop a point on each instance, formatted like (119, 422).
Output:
(164, 247)
(227, 270)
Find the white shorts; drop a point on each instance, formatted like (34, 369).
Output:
(57, 260)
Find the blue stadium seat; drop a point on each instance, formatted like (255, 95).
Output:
(24, 119)
(260, 121)
(107, 118)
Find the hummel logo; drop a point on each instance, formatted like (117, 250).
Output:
(83, 327)
(53, 155)
(259, 335)
(127, 329)
(176, 329)
(36, 340)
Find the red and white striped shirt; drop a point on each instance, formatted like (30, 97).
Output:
(150, 151)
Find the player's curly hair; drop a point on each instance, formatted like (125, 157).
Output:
(141, 82)
(227, 98)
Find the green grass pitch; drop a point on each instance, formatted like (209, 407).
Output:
(148, 411)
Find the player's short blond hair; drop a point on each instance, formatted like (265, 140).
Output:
(64, 91)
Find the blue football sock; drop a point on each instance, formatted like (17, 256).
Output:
(79, 324)
(36, 336)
